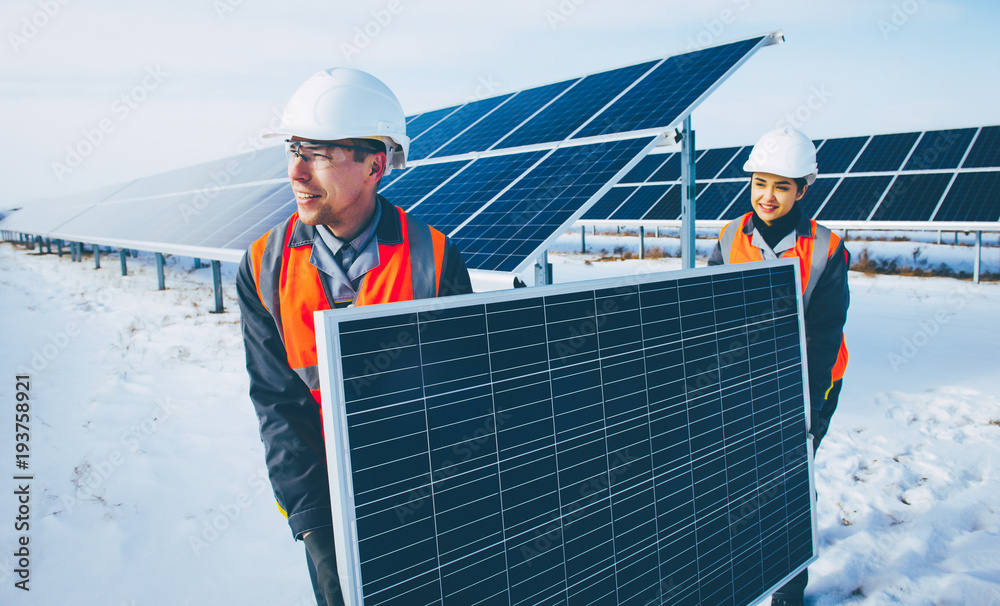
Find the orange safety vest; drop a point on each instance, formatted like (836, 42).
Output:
(737, 247)
(290, 288)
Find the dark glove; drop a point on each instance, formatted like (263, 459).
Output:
(319, 544)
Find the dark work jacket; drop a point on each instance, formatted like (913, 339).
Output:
(825, 315)
(288, 413)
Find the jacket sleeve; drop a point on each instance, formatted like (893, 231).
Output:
(289, 419)
(824, 322)
(716, 258)
(455, 278)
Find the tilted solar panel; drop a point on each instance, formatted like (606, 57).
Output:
(558, 121)
(885, 153)
(836, 155)
(854, 198)
(609, 202)
(940, 149)
(734, 170)
(434, 137)
(711, 162)
(669, 206)
(637, 440)
(421, 123)
(717, 197)
(485, 133)
(669, 171)
(645, 168)
(985, 150)
(814, 197)
(420, 181)
(640, 203)
(663, 96)
(449, 206)
(972, 197)
(912, 197)
(507, 231)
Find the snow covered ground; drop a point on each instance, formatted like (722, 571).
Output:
(149, 487)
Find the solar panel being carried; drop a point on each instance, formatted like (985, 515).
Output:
(576, 444)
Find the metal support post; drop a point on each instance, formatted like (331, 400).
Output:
(161, 283)
(979, 257)
(121, 257)
(217, 282)
(97, 257)
(583, 239)
(59, 244)
(688, 193)
(73, 251)
(642, 242)
(197, 263)
(543, 269)
(939, 236)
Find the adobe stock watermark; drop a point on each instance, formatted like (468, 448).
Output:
(366, 33)
(60, 339)
(33, 25)
(818, 97)
(565, 10)
(88, 478)
(900, 16)
(714, 28)
(223, 8)
(208, 193)
(226, 513)
(928, 328)
(121, 108)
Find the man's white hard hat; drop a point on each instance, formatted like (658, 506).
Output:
(347, 103)
(786, 152)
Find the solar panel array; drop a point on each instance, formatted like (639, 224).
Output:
(623, 441)
(930, 177)
(500, 175)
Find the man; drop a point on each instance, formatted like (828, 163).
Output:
(345, 245)
(783, 166)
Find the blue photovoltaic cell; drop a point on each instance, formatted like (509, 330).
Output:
(431, 139)
(644, 169)
(659, 99)
(885, 153)
(854, 199)
(708, 165)
(510, 229)
(639, 204)
(985, 151)
(455, 201)
(668, 208)
(393, 175)
(419, 181)
(485, 133)
(609, 203)
(557, 121)
(575, 445)
(940, 149)
(814, 196)
(718, 196)
(669, 171)
(423, 122)
(912, 197)
(836, 155)
(972, 197)
(734, 170)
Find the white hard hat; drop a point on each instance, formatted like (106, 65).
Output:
(346, 103)
(785, 152)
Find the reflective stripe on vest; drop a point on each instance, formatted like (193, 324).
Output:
(291, 289)
(737, 246)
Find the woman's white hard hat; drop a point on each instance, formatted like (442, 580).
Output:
(346, 103)
(786, 152)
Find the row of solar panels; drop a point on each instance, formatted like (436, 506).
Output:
(933, 176)
(543, 156)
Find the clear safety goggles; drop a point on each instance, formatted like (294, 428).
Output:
(321, 155)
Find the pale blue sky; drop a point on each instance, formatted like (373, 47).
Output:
(174, 84)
